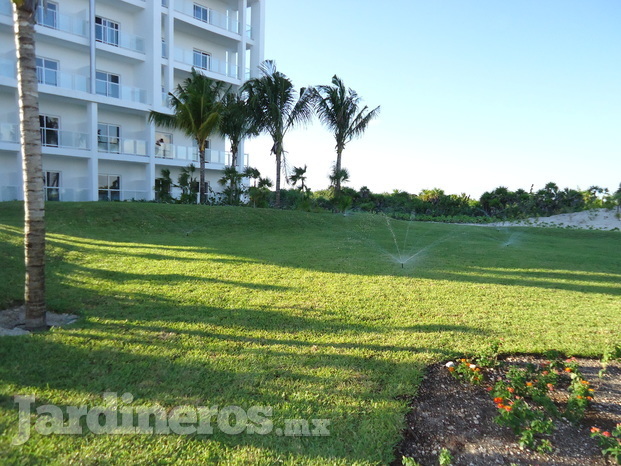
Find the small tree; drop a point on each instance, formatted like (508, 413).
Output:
(299, 176)
(231, 179)
(197, 109)
(162, 186)
(188, 184)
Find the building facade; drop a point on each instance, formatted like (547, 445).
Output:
(102, 66)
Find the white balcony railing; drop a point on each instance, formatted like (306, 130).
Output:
(112, 145)
(9, 193)
(110, 89)
(61, 22)
(120, 39)
(190, 154)
(202, 62)
(8, 68)
(9, 132)
(6, 8)
(227, 21)
(75, 82)
(64, 139)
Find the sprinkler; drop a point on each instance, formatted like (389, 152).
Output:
(402, 265)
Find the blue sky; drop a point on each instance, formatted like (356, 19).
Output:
(474, 94)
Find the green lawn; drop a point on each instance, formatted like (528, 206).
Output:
(311, 314)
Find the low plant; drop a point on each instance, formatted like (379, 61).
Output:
(445, 458)
(611, 354)
(466, 371)
(610, 442)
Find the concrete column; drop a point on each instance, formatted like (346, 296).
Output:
(93, 161)
(150, 174)
(93, 51)
(242, 5)
(258, 33)
(170, 38)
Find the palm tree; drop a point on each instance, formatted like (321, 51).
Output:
(299, 175)
(197, 110)
(339, 110)
(237, 122)
(277, 108)
(34, 200)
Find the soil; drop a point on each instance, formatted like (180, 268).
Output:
(12, 321)
(449, 414)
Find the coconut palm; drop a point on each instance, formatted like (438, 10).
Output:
(197, 110)
(277, 108)
(339, 110)
(34, 200)
(237, 122)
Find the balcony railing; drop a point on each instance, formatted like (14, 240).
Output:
(110, 89)
(119, 39)
(212, 64)
(9, 132)
(113, 145)
(64, 139)
(9, 193)
(8, 68)
(190, 154)
(5, 8)
(54, 20)
(75, 82)
(227, 21)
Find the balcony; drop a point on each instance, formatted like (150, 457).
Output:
(190, 154)
(5, 8)
(71, 24)
(54, 78)
(9, 133)
(202, 62)
(227, 21)
(116, 38)
(113, 145)
(64, 139)
(8, 68)
(116, 91)
(10, 193)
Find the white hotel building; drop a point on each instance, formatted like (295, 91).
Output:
(103, 65)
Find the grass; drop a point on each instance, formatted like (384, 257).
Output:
(311, 314)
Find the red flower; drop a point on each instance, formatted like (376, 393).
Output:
(568, 369)
(508, 408)
(511, 389)
(595, 429)
(498, 399)
(606, 434)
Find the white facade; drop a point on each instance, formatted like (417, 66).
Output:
(103, 65)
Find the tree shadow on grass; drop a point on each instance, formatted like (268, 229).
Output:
(178, 364)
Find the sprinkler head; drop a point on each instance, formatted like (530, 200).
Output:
(402, 265)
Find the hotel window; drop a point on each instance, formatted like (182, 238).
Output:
(47, 15)
(49, 130)
(52, 186)
(108, 84)
(106, 31)
(201, 60)
(108, 138)
(47, 71)
(109, 187)
(201, 13)
(163, 144)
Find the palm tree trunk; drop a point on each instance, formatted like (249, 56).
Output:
(202, 198)
(278, 169)
(337, 170)
(30, 135)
